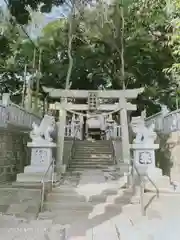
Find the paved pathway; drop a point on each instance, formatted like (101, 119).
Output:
(107, 212)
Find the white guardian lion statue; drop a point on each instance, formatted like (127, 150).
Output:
(44, 130)
(144, 135)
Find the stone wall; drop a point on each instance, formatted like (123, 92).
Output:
(14, 154)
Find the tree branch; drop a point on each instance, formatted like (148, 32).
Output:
(70, 39)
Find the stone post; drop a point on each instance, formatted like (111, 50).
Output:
(124, 132)
(6, 98)
(60, 137)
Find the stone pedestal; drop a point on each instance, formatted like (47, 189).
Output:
(144, 159)
(41, 158)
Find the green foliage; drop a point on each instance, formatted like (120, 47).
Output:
(163, 154)
(151, 49)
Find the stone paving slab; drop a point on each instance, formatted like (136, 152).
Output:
(21, 202)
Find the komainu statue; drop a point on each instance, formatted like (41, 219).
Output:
(144, 135)
(44, 130)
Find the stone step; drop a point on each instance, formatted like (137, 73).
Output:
(27, 185)
(62, 213)
(90, 166)
(70, 219)
(104, 144)
(86, 207)
(59, 197)
(97, 147)
(91, 162)
(30, 177)
(93, 144)
(93, 157)
(75, 197)
(82, 168)
(94, 141)
(121, 168)
(92, 152)
(87, 167)
(94, 148)
(70, 191)
(64, 189)
(78, 206)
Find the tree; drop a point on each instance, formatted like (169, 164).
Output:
(146, 52)
(173, 71)
(9, 47)
(100, 50)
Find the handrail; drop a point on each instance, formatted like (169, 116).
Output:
(113, 150)
(141, 190)
(142, 187)
(152, 182)
(43, 182)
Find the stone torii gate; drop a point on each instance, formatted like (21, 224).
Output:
(93, 104)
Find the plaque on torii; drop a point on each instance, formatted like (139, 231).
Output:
(93, 101)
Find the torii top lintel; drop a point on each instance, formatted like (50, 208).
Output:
(58, 93)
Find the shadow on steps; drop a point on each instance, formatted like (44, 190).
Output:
(111, 210)
(73, 209)
(20, 202)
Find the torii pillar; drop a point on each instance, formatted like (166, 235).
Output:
(124, 131)
(61, 124)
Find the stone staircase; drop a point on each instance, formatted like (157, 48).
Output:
(94, 209)
(90, 206)
(161, 221)
(92, 155)
(75, 204)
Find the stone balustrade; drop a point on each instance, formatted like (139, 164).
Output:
(14, 115)
(73, 130)
(165, 122)
(113, 132)
(18, 116)
(172, 121)
(157, 119)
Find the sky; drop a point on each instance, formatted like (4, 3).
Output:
(56, 13)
